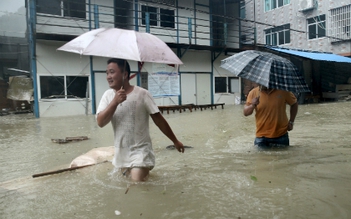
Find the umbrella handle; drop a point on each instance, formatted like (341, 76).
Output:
(259, 91)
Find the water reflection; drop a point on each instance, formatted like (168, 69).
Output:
(223, 176)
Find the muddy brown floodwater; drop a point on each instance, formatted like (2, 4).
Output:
(222, 176)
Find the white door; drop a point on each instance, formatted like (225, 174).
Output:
(188, 88)
(203, 89)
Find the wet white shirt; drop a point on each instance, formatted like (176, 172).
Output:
(130, 124)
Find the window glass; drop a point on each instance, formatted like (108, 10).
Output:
(316, 27)
(71, 8)
(76, 86)
(268, 39)
(278, 35)
(281, 37)
(242, 9)
(220, 85)
(167, 18)
(272, 4)
(321, 29)
(287, 36)
(52, 87)
(312, 33)
(274, 39)
(267, 5)
(234, 86)
(49, 7)
(74, 8)
(152, 13)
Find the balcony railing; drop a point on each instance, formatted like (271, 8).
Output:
(173, 25)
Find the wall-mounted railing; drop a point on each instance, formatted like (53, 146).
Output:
(172, 24)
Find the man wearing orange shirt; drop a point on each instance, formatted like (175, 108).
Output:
(272, 123)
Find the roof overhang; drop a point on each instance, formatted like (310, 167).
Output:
(319, 56)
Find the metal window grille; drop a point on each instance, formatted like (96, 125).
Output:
(340, 20)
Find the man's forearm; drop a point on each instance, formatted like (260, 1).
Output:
(248, 109)
(293, 112)
(163, 125)
(105, 116)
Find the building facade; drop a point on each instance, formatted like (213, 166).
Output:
(200, 32)
(14, 52)
(315, 26)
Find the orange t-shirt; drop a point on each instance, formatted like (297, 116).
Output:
(271, 118)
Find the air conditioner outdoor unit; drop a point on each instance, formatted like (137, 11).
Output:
(305, 5)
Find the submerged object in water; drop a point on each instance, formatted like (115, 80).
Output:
(171, 147)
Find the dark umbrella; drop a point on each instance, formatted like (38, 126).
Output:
(267, 69)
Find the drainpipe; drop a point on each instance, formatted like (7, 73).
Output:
(92, 73)
(212, 55)
(32, 52)
(255, 39)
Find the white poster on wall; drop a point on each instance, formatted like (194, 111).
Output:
(163, 81)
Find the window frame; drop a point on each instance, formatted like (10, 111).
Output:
(274, 35)
(316, 22)
(273, 4)
(228, 85)
(159, 15)
(242, 12)
(340, 23)
(64, 95)
(65, 10)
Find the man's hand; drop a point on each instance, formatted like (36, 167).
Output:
(290, 126)
(120, 96)
(248, 109)
(255, 101)
(179, 146)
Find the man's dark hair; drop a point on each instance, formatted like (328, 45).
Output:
(121, 63)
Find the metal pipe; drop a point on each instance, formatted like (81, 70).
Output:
(32, 53)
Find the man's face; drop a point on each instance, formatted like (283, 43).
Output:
(114, 76)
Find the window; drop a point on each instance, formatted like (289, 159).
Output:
(340, 23)
(234, 86)
(158, 17)
(227, 85)
(66, 8)
(278, 35)
(167, 18)
(164, 2)
(272, 4)
(74, 8)
(64, 87)
(152, 15)
(242, 10)
(316, 27)
(49, 7)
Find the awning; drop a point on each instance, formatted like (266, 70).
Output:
(329, 57)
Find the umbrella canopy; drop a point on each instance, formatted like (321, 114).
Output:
(123, 44)
(267, 69)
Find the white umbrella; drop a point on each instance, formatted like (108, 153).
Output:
(123, 44)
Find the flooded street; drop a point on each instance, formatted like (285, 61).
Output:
(222, 176)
